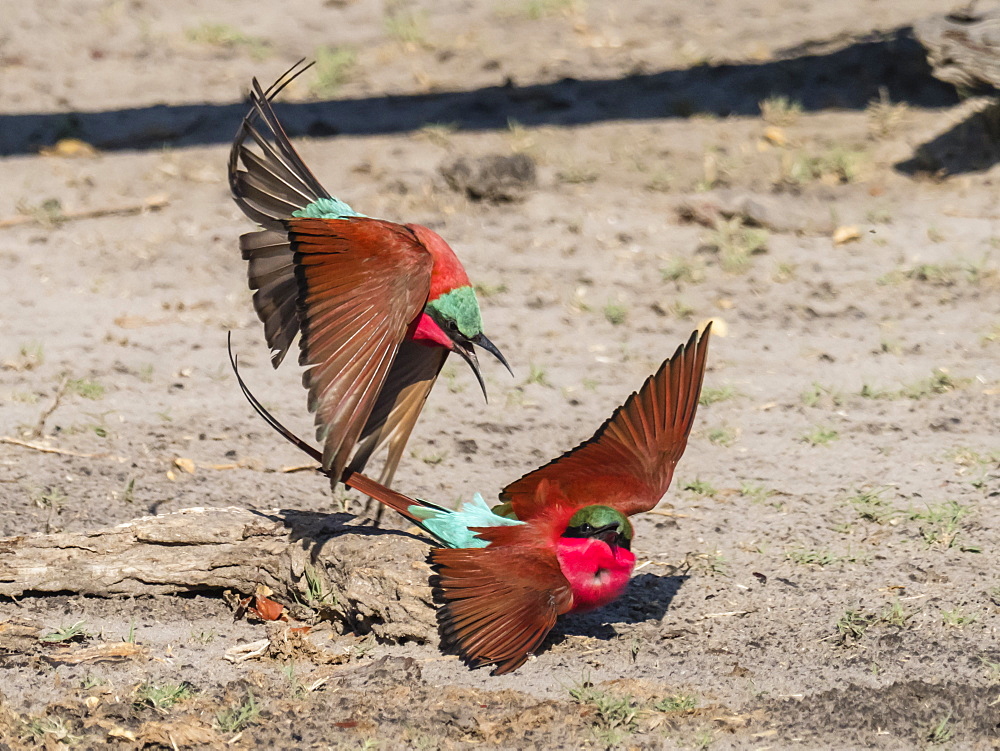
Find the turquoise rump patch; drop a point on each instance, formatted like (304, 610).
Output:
(453, 527)
(326, 208)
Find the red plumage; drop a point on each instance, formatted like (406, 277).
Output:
(353, 288)
(630, 460)
(500, 601)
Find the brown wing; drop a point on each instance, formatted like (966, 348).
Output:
(499, 602)
(411, 377)
(361, 282)
(271, 275)
(269, 183)
(629, 462)
(268, 186)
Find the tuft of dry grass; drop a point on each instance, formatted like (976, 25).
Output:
(736, 243)
(780, 111)
(407, 26)
(838, 165)
(885, 116)
(226, 37)
(333, 69)
(821, 436)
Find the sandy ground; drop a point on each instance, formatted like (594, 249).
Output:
(823, 572)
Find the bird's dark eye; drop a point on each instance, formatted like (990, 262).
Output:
(452, 326)
(585, 529)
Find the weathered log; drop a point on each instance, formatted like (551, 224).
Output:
(963, 48)
(370, 580)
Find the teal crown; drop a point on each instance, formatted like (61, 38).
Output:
(598, 516)
(461, 306)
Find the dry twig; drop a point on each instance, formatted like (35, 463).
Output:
(153, 203)
(39, 428)
(53, 450)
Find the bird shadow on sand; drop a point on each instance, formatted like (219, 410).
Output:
(312, 530)
(648, 597)
(844, 72)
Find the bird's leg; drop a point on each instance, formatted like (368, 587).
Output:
(376, 516)
(385, 478)
(378, 513)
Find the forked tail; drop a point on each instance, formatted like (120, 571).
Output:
(396, 501)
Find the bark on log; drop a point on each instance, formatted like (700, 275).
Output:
(963, 48)
(371, 580)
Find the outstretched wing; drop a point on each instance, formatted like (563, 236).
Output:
(629, 462)
(271, 275)
(499, 603)
(274, 182)
(269, 180)
(361, 282)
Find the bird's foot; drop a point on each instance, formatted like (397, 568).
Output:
(372, 512)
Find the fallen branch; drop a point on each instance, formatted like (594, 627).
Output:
(963, 47)
(368, 580)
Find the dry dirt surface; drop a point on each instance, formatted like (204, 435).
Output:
(822, 574)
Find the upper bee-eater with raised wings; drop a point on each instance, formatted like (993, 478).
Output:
(377, 305)
(560, 540)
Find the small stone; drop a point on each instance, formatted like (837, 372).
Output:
(497, 178)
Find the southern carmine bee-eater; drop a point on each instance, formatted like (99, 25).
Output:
(378, 305)
(560, 540)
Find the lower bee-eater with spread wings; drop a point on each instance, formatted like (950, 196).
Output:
(560, 540)
(378, 305)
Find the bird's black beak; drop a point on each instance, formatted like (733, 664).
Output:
(609, 536)
(482, 341)
(614, 539)
(469, 355)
